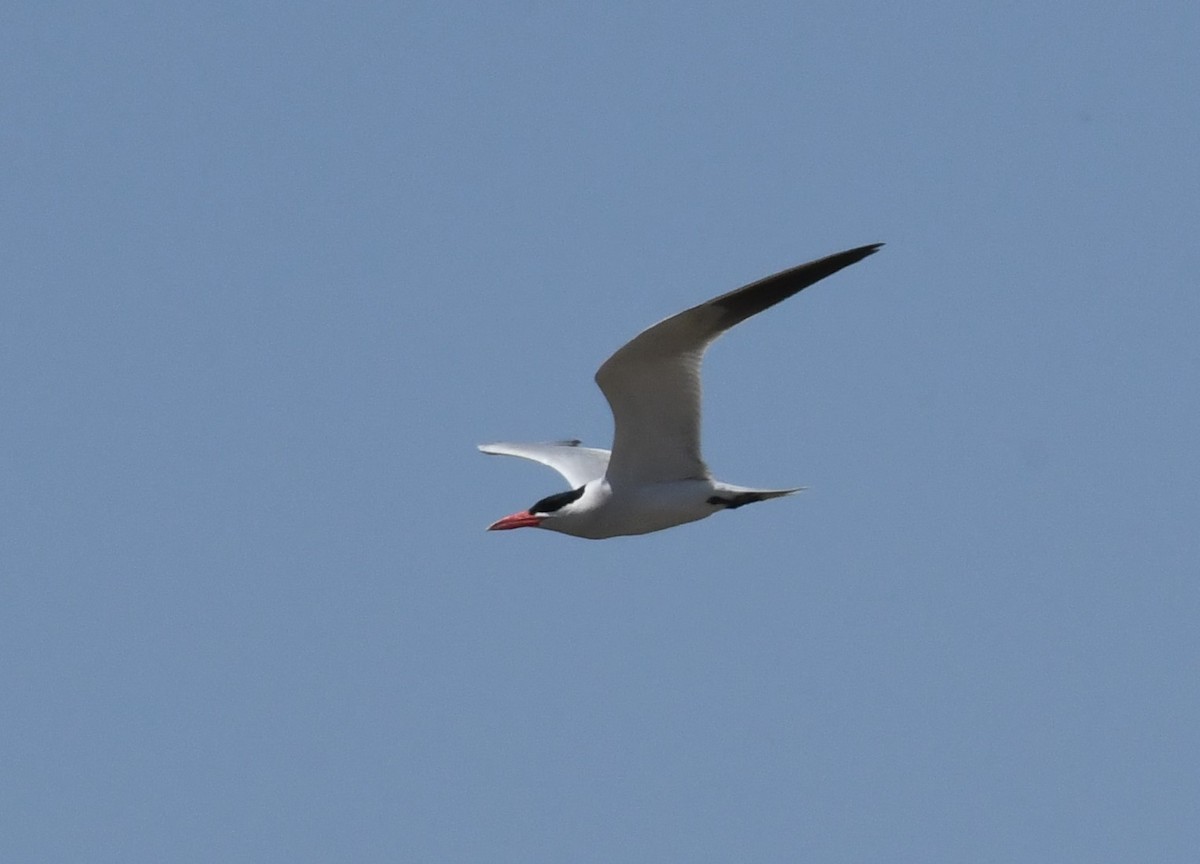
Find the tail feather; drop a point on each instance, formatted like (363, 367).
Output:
(732, 497)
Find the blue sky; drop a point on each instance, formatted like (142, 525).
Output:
(272, 270)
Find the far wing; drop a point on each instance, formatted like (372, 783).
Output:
(652, 383)
(579, 465)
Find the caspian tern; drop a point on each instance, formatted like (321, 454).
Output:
(654, 477)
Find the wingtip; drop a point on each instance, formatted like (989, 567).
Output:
(493, 445)
(863, 251)
(838, 260)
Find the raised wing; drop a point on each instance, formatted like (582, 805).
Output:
(579, 465)
(652, 383)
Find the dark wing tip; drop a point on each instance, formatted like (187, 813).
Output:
(830, 264)
(740, 304)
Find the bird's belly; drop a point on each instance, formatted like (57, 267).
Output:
(651, 508)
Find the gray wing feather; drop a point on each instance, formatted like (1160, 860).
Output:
(579, 465)
(652, 383)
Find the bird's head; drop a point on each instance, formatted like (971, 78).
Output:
(542, 514)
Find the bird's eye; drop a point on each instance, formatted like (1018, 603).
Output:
(551, 503)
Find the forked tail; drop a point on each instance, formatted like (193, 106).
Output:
(734, 496)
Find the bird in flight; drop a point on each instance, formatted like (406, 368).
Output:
(654, 477)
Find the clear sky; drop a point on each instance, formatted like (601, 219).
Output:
(270, 271)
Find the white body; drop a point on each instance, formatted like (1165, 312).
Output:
(605, 511)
